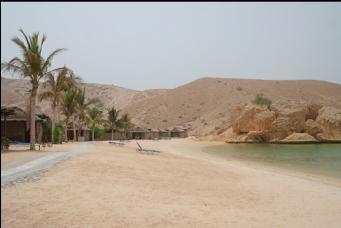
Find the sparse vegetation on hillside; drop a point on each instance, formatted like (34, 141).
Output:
(261, 100)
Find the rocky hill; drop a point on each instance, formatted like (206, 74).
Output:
(204, 106)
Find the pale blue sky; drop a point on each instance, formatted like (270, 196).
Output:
(164, 45)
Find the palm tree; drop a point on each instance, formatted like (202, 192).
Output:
(113, 120)
(83, 106)
(69, 107)
(94, 118)
(55, 89)
(31, 65)
(125, 123)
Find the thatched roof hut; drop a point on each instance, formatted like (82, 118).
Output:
(15, 124)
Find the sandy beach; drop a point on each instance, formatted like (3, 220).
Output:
(117, 187)
(223, 115)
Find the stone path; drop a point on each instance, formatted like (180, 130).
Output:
(31, 168)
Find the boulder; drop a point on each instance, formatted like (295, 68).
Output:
(329, 118)
(229, 136)
(299, 137)
(251, 118)
(321, 137)
(312, 127)
(312, 111)
(256, 136)
(294, 113)
(290, 118)
(279, 129)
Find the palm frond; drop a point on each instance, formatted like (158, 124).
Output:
(10, 67)
(27, 41)
(21, 44)
(42, 43)
(48, 60)
(46, 95)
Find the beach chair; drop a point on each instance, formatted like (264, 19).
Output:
(141, 150)
(117, 143)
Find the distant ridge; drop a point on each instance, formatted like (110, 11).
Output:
(201, 105)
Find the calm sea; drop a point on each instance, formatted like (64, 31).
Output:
(320, 159)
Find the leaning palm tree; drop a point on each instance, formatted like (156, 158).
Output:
(125, 123)
(55, 88)
(113, 120)
(94, 118)
(69, 108)
(83, 105)
(31, 65)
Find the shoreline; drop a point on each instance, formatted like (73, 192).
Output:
(286, 142)
(261, 166)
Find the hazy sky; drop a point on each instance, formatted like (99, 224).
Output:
(163, 45)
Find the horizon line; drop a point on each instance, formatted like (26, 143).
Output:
(200, 78)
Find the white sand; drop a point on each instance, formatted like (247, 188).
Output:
(181, 187)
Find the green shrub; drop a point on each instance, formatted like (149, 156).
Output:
(47, 133)
(98, 132)
(261, 100)
(5, 143)
(58, 133)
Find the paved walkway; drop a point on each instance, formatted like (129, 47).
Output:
(34, 166)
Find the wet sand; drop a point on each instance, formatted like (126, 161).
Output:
(181, 187)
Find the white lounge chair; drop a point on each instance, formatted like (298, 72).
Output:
(117, 143)
(141, 150)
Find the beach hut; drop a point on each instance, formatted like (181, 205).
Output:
(118, 134)
(137, 133)
(14, 125)
(83, 135)
(152, 133)
(179, 132)
(164, 133)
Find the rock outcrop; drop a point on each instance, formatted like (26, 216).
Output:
(329, 119)
(251, 118)
(299, 137)
(293, 115)
(312, 127)
(279, 129)
(256, 136)
(285, 121)
(313, 110)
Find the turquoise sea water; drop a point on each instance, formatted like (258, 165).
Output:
(320, 159)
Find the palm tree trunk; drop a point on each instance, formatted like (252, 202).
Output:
(79, 129)
(74, 131)
(33, 115)
(53, 124)
(65, 130)
(112, 133)
(93, 134)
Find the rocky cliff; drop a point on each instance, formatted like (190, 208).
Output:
(290, 121)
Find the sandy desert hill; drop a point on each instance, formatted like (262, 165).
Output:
(203, 105)
(15, 92)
